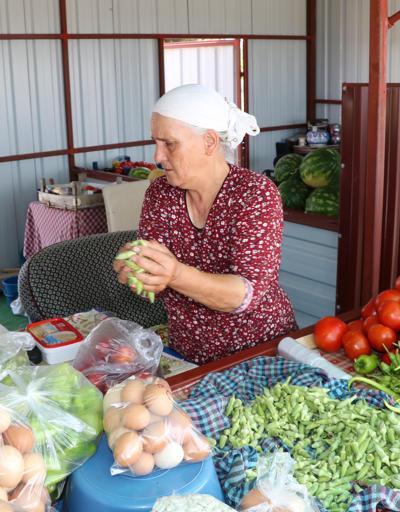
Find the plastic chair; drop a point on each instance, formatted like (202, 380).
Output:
(123, 204)
(77, 275)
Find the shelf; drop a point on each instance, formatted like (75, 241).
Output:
(100, 175)
(314, 220)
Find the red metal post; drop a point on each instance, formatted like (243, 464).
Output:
(394, 19)
(161, 67)
(311, 58)
(67, 84)
(373, 212)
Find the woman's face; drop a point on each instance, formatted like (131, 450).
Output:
(179, 149)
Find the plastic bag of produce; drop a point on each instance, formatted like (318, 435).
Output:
(117, 349)
(13, 351)
(22, 467)
(190, 502)
(147, 430)
(276, 489)
(63, 410)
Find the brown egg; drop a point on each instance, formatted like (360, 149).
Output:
(158, 399)
(34, 468)
(163, 383)
(252, 499)
(196, 448)
(11, 467)
(154, 418)
(155, 437)
(3, 494)
(112, 419)
(127, 449)
(144, 465)
(180, 425)
(133, 391)
(5, 507)
(5, 419)
(20, 437)
(114, 435)
(113, 396)
(135, 417)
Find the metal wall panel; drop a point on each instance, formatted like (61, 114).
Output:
(277, 82)
(29, 16)
(18, 184)
(31, 97)
(220, 16)
(213, 66)
(343, 48)
(114, 86)
(286, 17)
(129, 16)
(308, 271)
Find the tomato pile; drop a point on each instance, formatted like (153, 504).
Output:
(377, 330)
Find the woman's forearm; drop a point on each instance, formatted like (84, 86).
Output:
(221, 292)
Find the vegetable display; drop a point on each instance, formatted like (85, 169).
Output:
(126, 257)
(339, 445)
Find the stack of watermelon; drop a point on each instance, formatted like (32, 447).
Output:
(310, 183)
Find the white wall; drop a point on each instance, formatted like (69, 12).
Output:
(343, 49)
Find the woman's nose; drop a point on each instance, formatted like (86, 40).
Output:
(159, 153)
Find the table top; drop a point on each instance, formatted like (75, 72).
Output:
(47, 225)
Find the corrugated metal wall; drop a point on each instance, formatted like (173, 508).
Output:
(114, 83)
(343, 49)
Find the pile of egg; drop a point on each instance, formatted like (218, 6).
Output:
(22, 472)
(146, 430)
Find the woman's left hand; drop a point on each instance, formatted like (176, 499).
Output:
(159, 264)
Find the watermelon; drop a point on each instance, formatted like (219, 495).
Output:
(287, 166)
(323, 200)
(294, 193)
(319, 167)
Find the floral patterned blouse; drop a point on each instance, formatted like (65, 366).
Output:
(242, 236)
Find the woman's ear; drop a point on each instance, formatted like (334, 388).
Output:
(211, 141)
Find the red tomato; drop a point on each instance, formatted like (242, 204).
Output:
(387, 295)
(397, 283)
(123, 354)
(389, 314)
(328, 333)
(370, 320)
(381, 336)
(98, 379)
(369, 308)
(355, 325)
(355, 344)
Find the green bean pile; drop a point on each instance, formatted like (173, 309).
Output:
(338, 445)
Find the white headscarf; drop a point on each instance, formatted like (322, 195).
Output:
(205, 108)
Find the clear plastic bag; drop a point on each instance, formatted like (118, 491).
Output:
(117, 349)
(276, 489)
(13, 351)
(22, 467)
(147, 430)
(63, 410)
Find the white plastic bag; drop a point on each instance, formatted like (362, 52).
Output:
(13, 351)
(117, 349)
(17, 308)
(190, 503)
(276, 489)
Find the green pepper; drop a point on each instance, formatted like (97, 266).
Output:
(366, 364)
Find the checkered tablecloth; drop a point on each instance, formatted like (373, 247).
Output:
(206, 406)
(47, 226)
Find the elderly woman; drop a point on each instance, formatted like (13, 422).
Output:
(214, 231)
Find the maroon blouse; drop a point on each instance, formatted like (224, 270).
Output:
(242, 236)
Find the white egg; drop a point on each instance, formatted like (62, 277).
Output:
(170, 456)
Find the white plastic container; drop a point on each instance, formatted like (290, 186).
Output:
(289, 348)
(59, 353)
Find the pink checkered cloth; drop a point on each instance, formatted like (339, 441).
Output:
(47, 226)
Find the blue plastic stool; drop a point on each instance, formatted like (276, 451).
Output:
(10, 288)
(91, 488)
